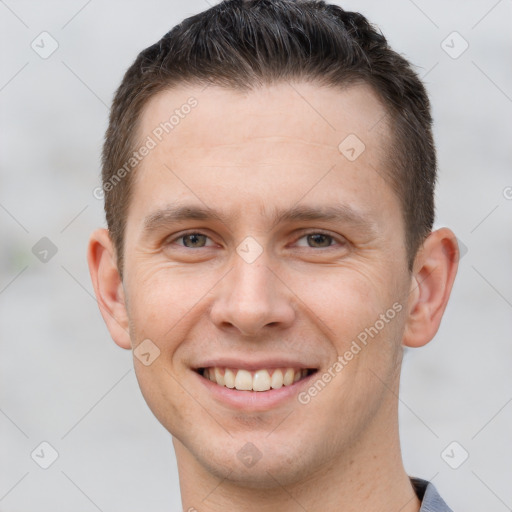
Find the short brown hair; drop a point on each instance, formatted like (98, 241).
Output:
(243, 44)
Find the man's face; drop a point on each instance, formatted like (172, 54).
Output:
(255, 290)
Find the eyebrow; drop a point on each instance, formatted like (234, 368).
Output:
(340, 213)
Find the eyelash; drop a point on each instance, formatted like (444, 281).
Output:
(341, 240)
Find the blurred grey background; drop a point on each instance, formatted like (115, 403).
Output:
(62, 379)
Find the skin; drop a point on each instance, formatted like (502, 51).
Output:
(244, 155)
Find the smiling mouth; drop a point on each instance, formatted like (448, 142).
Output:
(259, 380)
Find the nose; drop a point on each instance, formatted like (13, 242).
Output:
(251, 298)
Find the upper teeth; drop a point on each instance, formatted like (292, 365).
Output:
(260, 380)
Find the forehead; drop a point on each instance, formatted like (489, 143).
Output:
(270, 146)
(298, 113)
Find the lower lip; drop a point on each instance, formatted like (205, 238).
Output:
(253, 400)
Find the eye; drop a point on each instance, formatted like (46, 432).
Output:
(314, 240)
(192, 240)
(320, 240)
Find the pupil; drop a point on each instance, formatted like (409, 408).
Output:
(316, 236)
(193, 237)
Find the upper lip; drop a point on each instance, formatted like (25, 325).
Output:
(244, 364)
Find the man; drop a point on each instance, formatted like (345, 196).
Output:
(269, 173)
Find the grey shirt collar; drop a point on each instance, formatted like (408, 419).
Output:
(430, 499)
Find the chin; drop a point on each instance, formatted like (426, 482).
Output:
(257, 465)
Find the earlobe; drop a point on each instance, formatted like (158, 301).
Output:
(434, 272)
(108, 286)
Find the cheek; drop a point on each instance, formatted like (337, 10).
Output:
(165, 397)
(361, 312)
(346, 298)
(162, 297)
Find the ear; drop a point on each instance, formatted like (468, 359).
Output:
(108, 286)
(434, 271)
